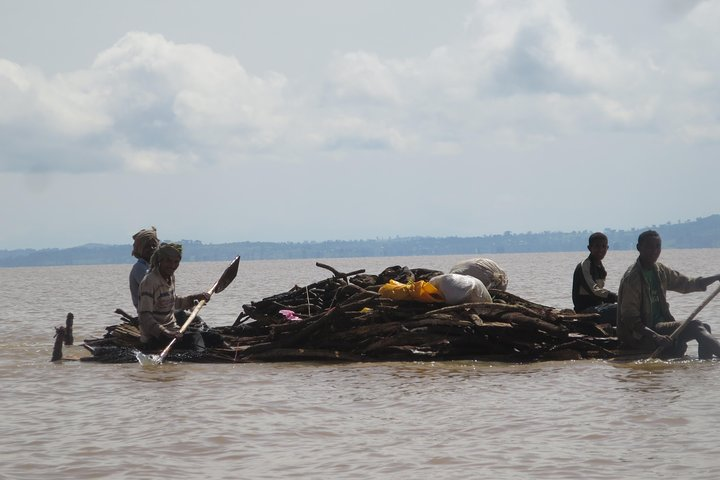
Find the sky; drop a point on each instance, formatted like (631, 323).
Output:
(288, 121)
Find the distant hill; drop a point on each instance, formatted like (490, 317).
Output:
(700, 233)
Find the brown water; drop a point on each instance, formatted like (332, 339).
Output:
(443, 420)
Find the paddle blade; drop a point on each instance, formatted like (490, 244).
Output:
(228, 275)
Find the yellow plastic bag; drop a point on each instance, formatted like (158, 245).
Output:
(420, 291)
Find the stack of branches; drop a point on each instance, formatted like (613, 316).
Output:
(121, 342)
(345, 318)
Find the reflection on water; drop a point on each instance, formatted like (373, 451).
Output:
(440, 420)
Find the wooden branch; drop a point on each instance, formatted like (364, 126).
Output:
(337, 274)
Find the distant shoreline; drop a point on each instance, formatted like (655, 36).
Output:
(700, 233)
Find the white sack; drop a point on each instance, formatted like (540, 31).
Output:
(459, 289)
(485, 270)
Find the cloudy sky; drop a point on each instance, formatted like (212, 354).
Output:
(284, 120)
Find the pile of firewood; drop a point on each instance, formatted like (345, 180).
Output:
(344, 318)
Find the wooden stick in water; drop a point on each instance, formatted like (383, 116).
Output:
(57, 348)
(69, 329)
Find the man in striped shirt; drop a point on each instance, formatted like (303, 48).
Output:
(158, 302)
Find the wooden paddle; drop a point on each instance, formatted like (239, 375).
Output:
(684, 324)
(227, 277)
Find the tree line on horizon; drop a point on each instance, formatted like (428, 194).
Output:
(701, 233)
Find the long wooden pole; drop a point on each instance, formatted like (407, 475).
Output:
(227, 277)
(185, 325)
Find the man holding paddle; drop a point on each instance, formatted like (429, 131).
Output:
(644, 320)
(158, 302)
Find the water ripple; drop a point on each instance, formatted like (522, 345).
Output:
(439, 420)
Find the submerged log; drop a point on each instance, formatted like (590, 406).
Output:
(58, 347)
(69, 329)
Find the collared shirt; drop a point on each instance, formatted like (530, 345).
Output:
(635, 311)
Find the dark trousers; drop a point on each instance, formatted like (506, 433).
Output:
(708, 345)
(189, 341)
(208, 338)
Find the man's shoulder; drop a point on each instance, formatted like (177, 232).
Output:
(670, 273)
(140, 266)
(584, 263)
(578, 273)
(662, 266)
(632, 270)
(152, 278)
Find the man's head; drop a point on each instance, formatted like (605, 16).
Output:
(649, 245)
(166, 259)
(598, 245)
(144, 243)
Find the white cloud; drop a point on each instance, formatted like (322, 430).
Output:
(352, 133)
(166, 105)
(154, 160)
(531, 69)
(691, 80)
(519, 75)
(204, 91)
(538, 47)
(365, 76)
(525, 67)
(60, 104)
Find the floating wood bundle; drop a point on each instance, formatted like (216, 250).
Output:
(345, 318)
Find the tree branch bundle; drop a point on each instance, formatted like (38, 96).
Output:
(343, 318)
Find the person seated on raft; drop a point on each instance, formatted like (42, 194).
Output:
(644, 320)
(158, 302)
(589, 294)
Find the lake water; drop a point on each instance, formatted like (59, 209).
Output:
(434, 420)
